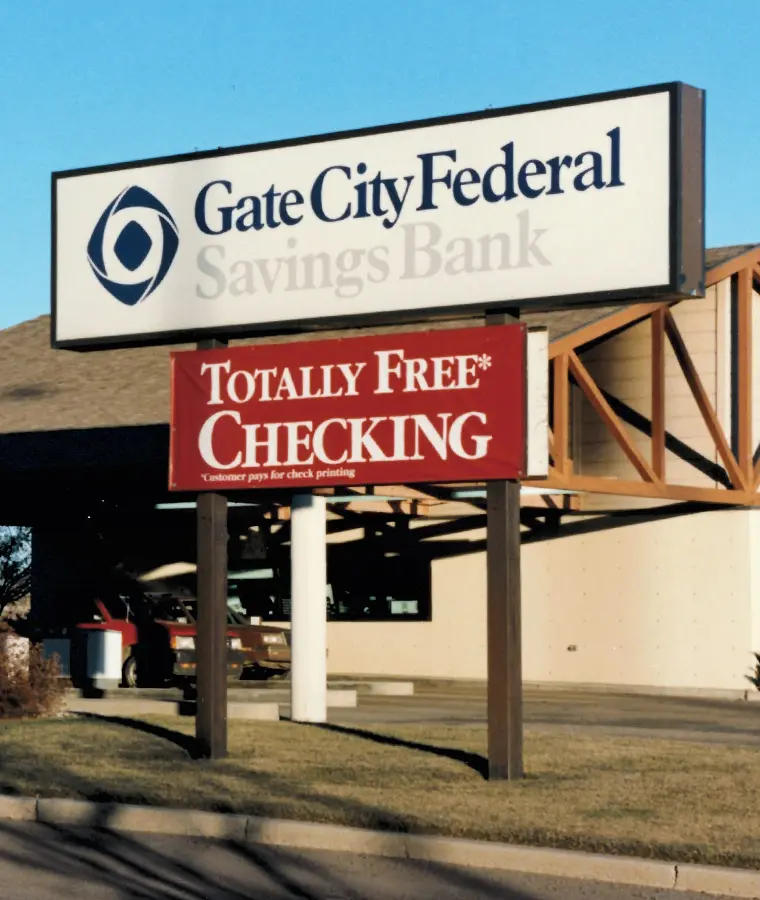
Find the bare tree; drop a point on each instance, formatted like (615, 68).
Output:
(15, 564)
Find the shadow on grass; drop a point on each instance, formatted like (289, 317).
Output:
(185, 742)
(474, 761)
(257, 793)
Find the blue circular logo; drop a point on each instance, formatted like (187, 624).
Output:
(133, 245)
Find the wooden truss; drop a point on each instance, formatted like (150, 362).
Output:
(737, 471)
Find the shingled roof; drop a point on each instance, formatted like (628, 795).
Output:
(47, 390)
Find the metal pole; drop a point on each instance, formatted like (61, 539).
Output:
(308, 608)
(505, 722)
(211, 637)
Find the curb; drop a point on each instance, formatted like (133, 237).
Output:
(447, 851)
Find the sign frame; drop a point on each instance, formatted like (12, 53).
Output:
(686, 226)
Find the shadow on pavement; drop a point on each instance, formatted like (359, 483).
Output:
(56, 861)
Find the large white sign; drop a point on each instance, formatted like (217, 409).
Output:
(577, 201)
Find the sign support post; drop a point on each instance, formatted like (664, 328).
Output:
(504, 625)
(308, 608)
(211, 637)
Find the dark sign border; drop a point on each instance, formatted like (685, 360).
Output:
(686, 226)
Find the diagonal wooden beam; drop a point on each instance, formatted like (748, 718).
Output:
(613, 423)
(744, 375)
(630, 315)
(703, 402)
(713, 470)
(561, 411)
(658, 393)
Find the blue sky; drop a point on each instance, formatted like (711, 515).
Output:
(84, 83)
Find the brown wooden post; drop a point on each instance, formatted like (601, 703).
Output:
(505, 725)
(658, 393)
(561, 405)
(743, 405)
(211, 638)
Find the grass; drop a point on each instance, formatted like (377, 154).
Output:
(667, 800)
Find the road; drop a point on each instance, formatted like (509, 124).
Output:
(38, 862)
(548, 710)
(573, 712)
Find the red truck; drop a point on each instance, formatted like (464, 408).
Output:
(158, 638)
(266, 648)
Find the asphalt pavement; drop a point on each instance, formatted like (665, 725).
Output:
(567, 711)
(546, 709)
(39, 862)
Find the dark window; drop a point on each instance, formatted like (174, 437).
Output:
(365, 582)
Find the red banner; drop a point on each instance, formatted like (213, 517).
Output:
(430, 406)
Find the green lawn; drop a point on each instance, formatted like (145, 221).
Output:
(678, 801)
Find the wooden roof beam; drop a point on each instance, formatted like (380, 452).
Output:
(590, 484)
(732, 266)
(631, 315)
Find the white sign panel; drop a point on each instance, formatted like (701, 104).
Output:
(576, 201)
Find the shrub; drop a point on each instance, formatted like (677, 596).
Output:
(29, 687)
(754, 678)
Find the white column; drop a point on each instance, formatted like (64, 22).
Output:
(308, 611)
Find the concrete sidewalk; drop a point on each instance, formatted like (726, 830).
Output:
(42, 862)
(118, 818)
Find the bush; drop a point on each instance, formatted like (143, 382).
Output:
(28, 688)
(754, 678)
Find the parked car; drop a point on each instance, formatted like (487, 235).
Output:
(266, 648)
(158, 638)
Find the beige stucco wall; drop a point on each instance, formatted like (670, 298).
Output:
(754, 579)
(672, 603)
